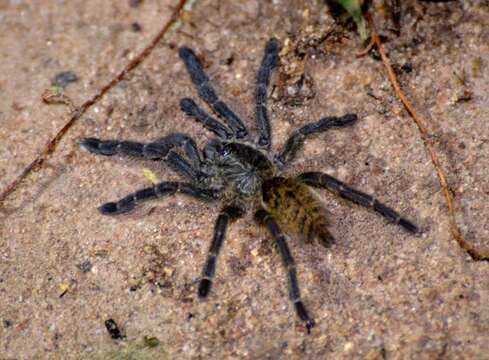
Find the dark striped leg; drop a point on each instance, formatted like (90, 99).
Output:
(156, 150)
(296, 140)
(151, 151)
(226, 214)
(164, 188)
(265, 218)
(190, 108)
(183, 167)
(208, 94)
(187, 143)
(268, 62)
(328, 182)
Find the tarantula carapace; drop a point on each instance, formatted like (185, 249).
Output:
(243, 174)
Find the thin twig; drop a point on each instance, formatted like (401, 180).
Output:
(367, 49)
(476, 254)
(77, 112)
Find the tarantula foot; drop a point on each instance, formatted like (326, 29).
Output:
(409, 226)
(101, 147)
(304, 316)
(109, 208)
(204, 288)
(349, 119)
(91, 144)
(115, 208)
(309, 325)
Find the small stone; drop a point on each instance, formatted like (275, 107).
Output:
(151, 341)
(7, 323)
(136, 27)
(168, 271)
(113, 329)
(64, 78)
(85, 266)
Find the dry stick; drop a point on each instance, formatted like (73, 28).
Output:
(367, 49)
(476, 254)
(76, 113)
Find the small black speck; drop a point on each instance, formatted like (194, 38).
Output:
(7, 323)
(229, 60)
(133, 288)
(461, 146)
(164, 285)
(85, 266)
(64, 78)
(379, 278)
(113, 329)
(407, 67)
(136, 27)
(190, 316)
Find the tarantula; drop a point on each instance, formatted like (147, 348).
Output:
(243, 173)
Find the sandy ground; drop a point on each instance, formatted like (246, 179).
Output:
(378, 293)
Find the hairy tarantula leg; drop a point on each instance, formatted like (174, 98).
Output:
(190, 108)
(296, 140)
(269, 60)
(208, 94)
(156, 150)
(185, 141)
(264, 217)
(164, 188)
(226, 214)
(328, 182)
(183, 167)
(131, 148)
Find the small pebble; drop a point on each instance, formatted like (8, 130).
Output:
(85, 266)
(64, 78)
(113, 329)
(151, 341)
(7, 323)
(135, 27)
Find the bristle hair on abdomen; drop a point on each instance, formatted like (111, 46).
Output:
(297, 209)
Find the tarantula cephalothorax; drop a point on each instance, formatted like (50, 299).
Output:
(239, 171)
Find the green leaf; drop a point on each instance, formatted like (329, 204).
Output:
(354, 8)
